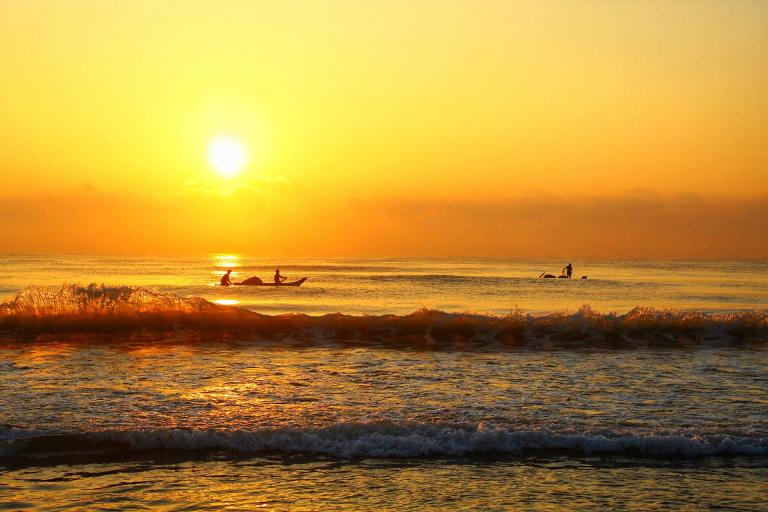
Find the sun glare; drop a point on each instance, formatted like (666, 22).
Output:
(227, 156)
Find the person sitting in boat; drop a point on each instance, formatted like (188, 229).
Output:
(278, 278)
(225, 280)
(568, 270)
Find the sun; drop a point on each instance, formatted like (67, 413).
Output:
(226, 155)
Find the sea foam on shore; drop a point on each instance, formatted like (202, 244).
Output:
(352, 440)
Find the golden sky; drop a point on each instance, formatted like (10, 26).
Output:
(358, 117)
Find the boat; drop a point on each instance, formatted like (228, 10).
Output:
(544, 275)
(255, 281)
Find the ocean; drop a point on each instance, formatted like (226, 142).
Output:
(382, 384)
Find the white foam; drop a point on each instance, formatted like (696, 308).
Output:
(415, 440)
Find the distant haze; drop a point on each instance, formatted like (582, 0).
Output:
(625, 226)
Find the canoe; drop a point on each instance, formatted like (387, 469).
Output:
(255, 281)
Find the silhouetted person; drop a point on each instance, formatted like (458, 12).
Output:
(278, 278)
(225, 281)
(568, 269)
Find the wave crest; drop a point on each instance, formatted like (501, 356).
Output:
(98, 299)
(103, 312)
(354, 440)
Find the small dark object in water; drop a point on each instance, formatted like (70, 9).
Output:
(552, 276)
(255, 281)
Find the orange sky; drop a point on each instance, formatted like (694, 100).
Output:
(378, 128)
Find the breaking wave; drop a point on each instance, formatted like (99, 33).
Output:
(93, 299)
(103, 313)
(356, 440)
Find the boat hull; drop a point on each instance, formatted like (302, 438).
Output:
(258, 282)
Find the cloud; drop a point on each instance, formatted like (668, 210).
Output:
(638, 224)
(257, 221)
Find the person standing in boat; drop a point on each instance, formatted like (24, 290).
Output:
(568, 270)
(278, 278)
(225, 280)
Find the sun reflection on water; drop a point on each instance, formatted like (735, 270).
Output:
(226, 302)
(226, 260)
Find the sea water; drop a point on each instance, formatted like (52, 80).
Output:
(400, 286)
(391, 384)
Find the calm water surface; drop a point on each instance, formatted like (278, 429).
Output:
(400, 286)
